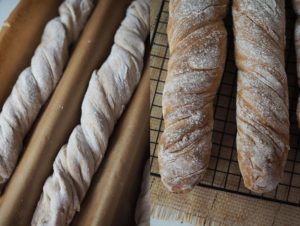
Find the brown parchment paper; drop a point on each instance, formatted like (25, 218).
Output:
(111, 199)
(23, 191)
(19, 38)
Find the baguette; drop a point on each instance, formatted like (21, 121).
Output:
(262, 92)
(109, 91)
(197, 39)
(61, 114)
(36, 83)
(19, 36)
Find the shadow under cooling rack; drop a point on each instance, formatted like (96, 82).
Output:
(223, 172)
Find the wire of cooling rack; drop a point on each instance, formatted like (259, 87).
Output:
(223, 172)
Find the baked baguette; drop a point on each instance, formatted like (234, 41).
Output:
(262, 92)
(297, 47)
(197, 39)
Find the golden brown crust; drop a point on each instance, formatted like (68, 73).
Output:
(262, 95)
(197, 40)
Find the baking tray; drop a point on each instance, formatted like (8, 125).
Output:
(223, 172)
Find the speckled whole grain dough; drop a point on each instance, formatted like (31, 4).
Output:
(262, 92)
(197, 40)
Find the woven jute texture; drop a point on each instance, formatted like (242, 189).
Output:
(205, 206)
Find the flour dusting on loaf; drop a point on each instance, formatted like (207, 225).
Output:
(262, 92)
(197, 40)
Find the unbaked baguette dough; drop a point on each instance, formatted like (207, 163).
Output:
(297, 47)
(197, 39)
(262, 95)
(36, 82)
(109, 91)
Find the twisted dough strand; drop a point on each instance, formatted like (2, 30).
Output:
(197, 39)
(36, 82)
(262, 95)
(109, 91)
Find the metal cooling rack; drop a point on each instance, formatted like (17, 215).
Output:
(223, 172)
